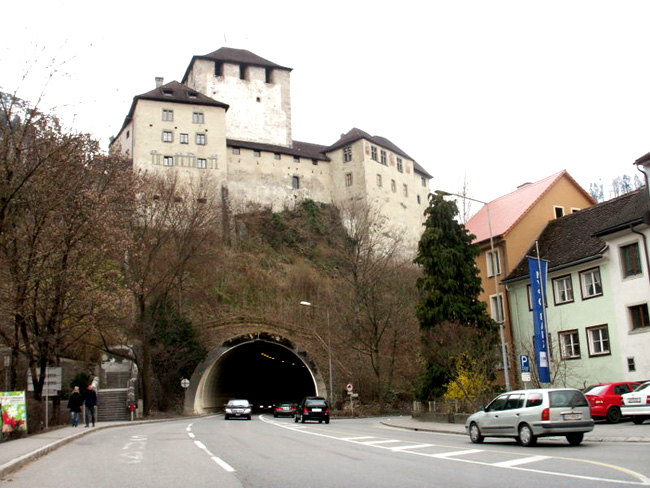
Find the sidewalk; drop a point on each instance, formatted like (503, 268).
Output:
(603, 432)
(15, 454)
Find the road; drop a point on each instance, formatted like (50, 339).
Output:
(278, 453)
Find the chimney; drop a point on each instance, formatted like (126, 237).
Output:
(159, 81)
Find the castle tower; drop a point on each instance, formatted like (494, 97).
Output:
(257, 91)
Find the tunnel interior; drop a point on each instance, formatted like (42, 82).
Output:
(262, 372)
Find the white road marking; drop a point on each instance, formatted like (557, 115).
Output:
(357, 438)
(412, 446)
(200, 445)
(446, 455)
(518, 462)
(375, 443)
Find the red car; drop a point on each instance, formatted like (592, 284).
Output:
(605, 399)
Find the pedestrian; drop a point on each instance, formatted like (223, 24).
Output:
(74, 405)
(90, 400)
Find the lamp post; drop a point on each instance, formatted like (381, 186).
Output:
(504, 354)
(329, 345)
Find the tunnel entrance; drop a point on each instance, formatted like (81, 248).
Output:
(262, 371)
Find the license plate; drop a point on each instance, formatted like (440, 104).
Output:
(633, 400)
(316, 409)
(572, 416)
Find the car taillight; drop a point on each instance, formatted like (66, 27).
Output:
(546, 414)
(327, 411)
(305, 411)
(647, 400)
(598, 401)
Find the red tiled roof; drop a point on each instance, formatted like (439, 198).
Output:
(509, 209)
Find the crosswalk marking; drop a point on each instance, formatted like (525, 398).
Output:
(357, 438)
(374, 443)
(519, 462)
(456, 453)
(412, 446)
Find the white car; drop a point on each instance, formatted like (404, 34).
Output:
(526, 415)
(636, 404)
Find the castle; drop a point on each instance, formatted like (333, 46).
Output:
(230, 118)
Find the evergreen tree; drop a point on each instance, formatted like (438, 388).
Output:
(452, 318)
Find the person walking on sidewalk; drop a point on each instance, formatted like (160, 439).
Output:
(74, 405)
(90, 400)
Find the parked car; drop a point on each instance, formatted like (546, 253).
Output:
(605, 399)
(284, 409)
(526, 415)
(636, 404)
(238, 408)
(313, 408)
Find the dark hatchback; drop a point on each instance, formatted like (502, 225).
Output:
(313, 408)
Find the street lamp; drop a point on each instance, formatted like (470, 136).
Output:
(504, 355)
(329, 344)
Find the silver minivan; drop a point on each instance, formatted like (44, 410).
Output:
(526, 415)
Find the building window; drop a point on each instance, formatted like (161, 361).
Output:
(631, 260)
(563, 290)
(405, 188)
(383, 158)
(184, 138)
(639, 316)
(347, 154)
(419, 200)
(424, 181)
(197, 117)
(631, 365)
(200, 139)
(373, 153)
(236, 150)
(218, 68)
(202, 163)
(168, 160)
(379, 181)
(493, 263)
(268, 75)
(496, 308)
(257, 153)
(400, 165)
(591, 284)
(348, 179)
(393, 186)
(277, 156)
(598, 340)
(569, 344)
(559, 211)
(295, 182)
(314, 162)
(242, 72)
(167, 136)
(296, 159)
(168, 115)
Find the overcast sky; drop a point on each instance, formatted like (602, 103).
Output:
(497, 92)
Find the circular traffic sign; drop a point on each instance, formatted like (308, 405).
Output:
(185, 382)
(349, 387)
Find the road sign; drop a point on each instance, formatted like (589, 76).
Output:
(524, 363)
(349, 387)
(185, 382)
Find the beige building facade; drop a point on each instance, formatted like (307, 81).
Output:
(230, 119)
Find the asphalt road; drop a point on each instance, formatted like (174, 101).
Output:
(268, 452)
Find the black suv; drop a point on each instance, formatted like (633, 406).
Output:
(313, 408)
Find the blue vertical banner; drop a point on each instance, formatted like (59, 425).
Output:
(538, 270)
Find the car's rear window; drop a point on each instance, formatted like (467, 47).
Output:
(534, 399)
(596, 390)
(567, 398)
(316, 403)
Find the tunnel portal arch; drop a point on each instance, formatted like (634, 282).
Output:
(260, 367)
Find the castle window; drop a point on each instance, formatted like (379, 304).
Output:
(218, 68)
(197, 118)
(200, 139)
(295, 182)
(277, 156)
(384, 159)
(373, 153)
(406, 190)
(168, 93)
(201, 163)
(168, 160)
(167, 115)
(184, 138)
(192, 94)
(257, 153)
(419, 200)
(348, 179)
(128, 134)
(296, 159)
(235, 150)
(400, 165)
(314, 162)
(379, 181)
(393, 186)
(242, 72)
(167, 136)
(347, 154)
(424, 181)
(268, 75)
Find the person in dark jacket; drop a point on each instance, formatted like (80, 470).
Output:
(74, 405)
(90, 400)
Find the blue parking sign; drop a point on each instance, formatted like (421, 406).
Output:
(524, 362)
